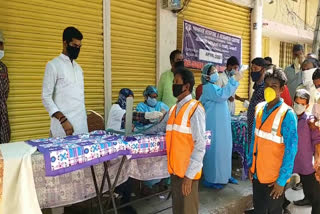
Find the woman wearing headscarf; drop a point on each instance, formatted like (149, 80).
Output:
(118, 110)
(116, 118)
(151, 103)
(217, 161)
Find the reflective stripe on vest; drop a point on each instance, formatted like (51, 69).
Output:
(275, 125)
(183, 128)
(260, 107)
(268, 136)
(171, 110)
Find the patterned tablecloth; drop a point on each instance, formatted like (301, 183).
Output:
(148, 161)
(240, 141)
(64, 155)
(78, 185)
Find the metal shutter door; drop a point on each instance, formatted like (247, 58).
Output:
(133, 46)
(33, 31)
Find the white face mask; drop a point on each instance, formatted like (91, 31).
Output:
(1, 54)
(307, 77)
(299, 108)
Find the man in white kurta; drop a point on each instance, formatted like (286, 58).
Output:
(63, 89)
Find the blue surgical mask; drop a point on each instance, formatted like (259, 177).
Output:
(232, 72)
(214, 77)
(152, 101)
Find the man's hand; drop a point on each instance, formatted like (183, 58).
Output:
(312, 124)
(277, 190)
(250, 175)
(231, 99)
(67, 127)
(186, 186)
(316, 165)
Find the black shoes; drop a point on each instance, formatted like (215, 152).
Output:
(303, 202)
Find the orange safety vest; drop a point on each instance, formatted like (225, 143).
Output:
(179, 139)
(269, 147)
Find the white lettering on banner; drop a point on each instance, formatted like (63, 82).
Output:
(210, 56)
(233, 48)
(198, 29)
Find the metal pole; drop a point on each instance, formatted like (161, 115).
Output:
(316, 37)
(129, 116)
(256, 34)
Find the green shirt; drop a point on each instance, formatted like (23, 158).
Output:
(165, 89)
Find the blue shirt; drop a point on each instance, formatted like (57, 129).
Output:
(290, 137)
(144, 107)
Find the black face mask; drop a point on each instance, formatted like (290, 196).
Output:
(177, 89)
(255, 76)
(73, 52)
(179, 64)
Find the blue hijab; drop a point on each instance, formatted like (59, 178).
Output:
(123, 94)
(205, 72)
(150, 90)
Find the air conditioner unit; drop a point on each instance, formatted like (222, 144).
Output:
(171, 4)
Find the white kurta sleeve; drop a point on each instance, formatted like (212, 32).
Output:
(198, 128)
(48, 86)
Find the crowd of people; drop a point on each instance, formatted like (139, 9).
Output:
(282, 117)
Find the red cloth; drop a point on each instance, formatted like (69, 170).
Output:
(286, 96)
(199, 92)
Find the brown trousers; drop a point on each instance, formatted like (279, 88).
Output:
(180, 203)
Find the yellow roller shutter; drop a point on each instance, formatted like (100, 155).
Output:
(133, 46)
(225, 17)
(33, 31)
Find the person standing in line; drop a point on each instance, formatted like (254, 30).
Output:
(257, 72)
(4, 93)
(185, 137)
(308, 148)
(63, 88)
(231, 67)
(293, 72)
(165, 84)
(273, 148)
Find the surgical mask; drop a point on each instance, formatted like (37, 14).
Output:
(177, 89)
(255, 76)
(152, 101)
(269, 94)
(214, 77)
(232, 72)
(73, 52)
(299, 108)
(1, 54)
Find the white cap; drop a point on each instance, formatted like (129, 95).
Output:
(1, 37)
